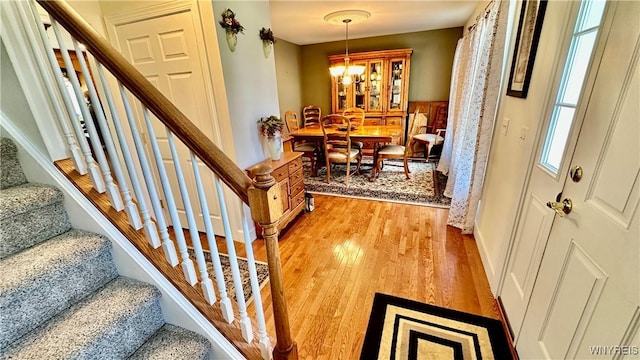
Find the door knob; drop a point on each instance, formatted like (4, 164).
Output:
(562, 208)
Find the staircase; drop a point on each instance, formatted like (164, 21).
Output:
(60, 292)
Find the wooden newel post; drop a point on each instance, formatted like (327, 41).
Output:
(266, 209)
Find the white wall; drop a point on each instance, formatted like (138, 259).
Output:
(249, 78)
(89, 10)
(510, 157)
(13, 102)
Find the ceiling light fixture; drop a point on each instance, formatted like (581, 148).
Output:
(347, 17)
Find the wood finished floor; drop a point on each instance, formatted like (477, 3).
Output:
(338, 256)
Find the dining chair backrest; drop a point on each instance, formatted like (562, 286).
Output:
(311, 115)
(291, 121)
(439, 121)
(336, 141)
(355, 114)
(337, 144)
(414, 128)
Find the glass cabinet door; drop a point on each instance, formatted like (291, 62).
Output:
(359, 88)
(396, 78)
(374, 74)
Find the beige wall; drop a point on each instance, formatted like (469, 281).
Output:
(431, 63)
(289, 76)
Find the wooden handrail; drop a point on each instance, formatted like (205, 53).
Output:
(150, 97)
(262, 195)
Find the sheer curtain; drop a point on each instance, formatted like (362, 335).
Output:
(475, 84)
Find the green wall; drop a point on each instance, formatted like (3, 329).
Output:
(431, 64)
(288, 75)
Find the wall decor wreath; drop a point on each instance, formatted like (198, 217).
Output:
(232, 28)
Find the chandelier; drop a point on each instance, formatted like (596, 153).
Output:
(346, 17)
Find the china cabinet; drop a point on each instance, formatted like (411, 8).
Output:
(382, 91)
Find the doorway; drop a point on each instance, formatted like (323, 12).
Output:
(572, 281)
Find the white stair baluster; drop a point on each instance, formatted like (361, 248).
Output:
(245, 322)
(170, 255)
(205, 283)
(94, 171)
(129, 206)
(188, 269)
(265, 342)
(72, 146)
(112, 189)
(225, 302)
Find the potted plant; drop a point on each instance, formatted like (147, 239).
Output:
(232, 28)
(271, 128)
(266, 35)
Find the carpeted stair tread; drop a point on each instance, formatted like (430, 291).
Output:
(41, 281)
(11, 173)
(24, 198)
(30, 214)
(111, 323)
(173, 342)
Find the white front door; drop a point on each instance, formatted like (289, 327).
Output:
(548, 174)
(586, 299)
(163, 45)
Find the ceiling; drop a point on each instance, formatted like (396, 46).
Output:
(302, 21)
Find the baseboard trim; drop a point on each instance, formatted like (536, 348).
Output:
(507, 326)
(494, 279)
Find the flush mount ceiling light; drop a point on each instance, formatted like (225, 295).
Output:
(347, 17)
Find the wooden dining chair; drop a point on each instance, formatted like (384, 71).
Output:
(308, 149)
(356, 115)
(337, 145)
(311, 115)
(392, 151)
(435, 131)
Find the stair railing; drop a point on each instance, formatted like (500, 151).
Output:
(88, 135)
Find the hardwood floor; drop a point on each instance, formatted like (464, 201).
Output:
(338, 256)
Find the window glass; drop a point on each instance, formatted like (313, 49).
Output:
(573, 76)
(592, 15)
(578, 67)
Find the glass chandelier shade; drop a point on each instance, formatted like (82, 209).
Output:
(346, 70)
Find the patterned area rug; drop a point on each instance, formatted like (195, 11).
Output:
(262, 269)
(425, 186)
(405, 329)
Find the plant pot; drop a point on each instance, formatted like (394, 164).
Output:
(274, 146)
(232, 40)
(266, 49)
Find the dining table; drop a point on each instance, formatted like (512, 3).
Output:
(367, 134)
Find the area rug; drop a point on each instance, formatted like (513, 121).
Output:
(402, 329)
(425, 187)
(262, 269)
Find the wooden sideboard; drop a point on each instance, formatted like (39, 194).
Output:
(382, 91)
(288, 174)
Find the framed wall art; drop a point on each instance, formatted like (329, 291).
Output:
(524, 55)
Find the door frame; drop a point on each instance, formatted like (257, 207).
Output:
(543, 125)
(211, 64)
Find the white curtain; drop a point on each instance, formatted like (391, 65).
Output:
(475, 84)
